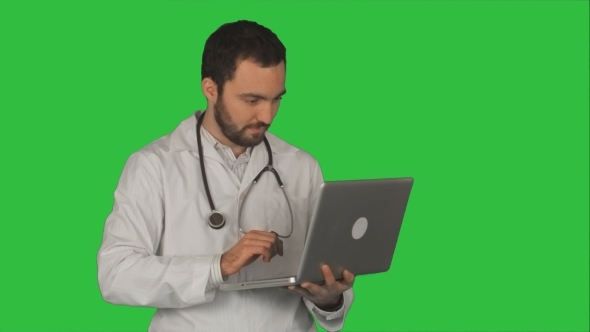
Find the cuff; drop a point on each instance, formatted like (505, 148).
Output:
(329, 315)
(215, 278)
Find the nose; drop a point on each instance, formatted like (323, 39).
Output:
(266, 113)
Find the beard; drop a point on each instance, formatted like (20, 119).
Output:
(230, 129)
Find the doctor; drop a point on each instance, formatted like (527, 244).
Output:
(187, 216)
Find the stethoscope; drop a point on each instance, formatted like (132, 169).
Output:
(216, 218)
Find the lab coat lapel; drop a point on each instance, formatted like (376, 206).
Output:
(209, 151)
(184, 137)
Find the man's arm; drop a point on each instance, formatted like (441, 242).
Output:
(129, 272)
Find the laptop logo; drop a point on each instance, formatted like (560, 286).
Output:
(359, 228)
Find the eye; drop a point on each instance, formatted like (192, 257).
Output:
(252, 101)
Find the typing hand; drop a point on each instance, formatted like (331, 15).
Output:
(253, 245)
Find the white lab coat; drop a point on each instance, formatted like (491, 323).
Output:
(158, 248)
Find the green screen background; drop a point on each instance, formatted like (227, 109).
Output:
(484, 103)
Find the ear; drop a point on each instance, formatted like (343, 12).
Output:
(209, 89)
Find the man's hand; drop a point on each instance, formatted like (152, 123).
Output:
(329, 294)
(253, 245)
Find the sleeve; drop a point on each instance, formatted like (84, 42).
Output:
(215, 277)
(129, 270)
(331, 321)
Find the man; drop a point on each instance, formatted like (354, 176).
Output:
(159, 248)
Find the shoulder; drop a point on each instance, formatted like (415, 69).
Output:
(149, 160)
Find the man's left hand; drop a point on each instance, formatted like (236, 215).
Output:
(327, 295)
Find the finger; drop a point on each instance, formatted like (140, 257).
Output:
(271, 237)
(348, 278)
(260, 250)
(301, 291)
(328, 275)
(293, 292)
(314, 289)
(262, 235)
(262, 243)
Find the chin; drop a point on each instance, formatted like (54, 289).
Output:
(256, 139)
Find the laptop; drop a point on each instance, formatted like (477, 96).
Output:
(355, 226)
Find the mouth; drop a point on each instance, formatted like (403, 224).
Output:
(258, 129)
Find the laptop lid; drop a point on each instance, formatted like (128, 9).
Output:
(355, 226)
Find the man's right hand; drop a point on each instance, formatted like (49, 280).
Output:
(251, 246)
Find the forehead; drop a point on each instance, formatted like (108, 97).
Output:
(251, 77)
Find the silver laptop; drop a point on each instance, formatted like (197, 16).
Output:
(354, 227)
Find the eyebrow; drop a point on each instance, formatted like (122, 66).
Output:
(259, 96)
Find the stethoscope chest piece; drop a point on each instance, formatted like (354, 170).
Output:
(216, 219)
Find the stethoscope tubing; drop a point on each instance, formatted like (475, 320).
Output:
(216, 219)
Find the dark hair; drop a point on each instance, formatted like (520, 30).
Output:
(233, 42)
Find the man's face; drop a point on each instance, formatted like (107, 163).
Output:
(249, 103)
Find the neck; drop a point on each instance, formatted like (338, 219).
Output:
(211, 126)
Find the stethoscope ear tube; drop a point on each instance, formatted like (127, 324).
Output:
(271, 169)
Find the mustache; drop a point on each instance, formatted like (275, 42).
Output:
(258, 125)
